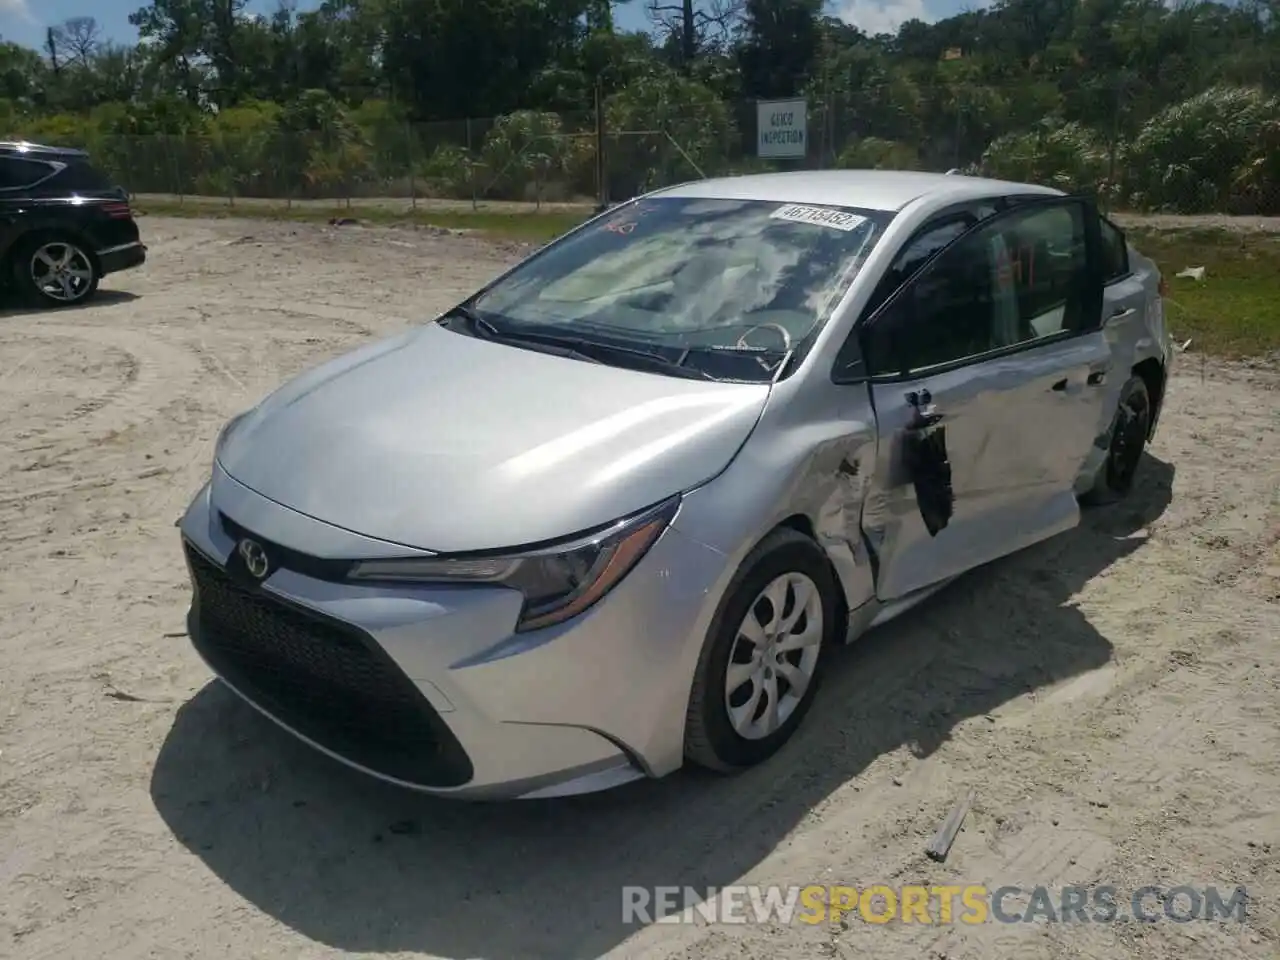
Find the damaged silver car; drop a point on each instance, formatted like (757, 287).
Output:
(611, 513)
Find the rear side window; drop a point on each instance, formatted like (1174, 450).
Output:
(16, 173)
(79, 175)
(1115, 252)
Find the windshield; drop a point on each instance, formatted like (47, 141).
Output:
(735, 275)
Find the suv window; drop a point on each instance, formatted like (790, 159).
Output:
(16, 173)
(1020, 277)
(1115, 252)
(79, 175)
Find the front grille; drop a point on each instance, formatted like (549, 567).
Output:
(325, 679)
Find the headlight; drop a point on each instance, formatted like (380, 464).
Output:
(558, 582)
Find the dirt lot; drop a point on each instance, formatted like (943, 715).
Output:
(1113, 695)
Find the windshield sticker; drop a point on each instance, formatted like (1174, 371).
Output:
(625, 220)
(819, 216)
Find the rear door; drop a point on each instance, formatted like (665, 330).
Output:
(986, 372)
(18, 175)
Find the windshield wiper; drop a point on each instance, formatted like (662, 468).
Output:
(472, 317)
(648, 358)
(577, 348)
(491, 331)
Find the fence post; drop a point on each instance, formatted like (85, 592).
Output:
(602, 182)
(177, 175)
(471, 168)
(1117, 95)
(413, 173)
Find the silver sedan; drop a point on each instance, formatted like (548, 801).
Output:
(611, 513)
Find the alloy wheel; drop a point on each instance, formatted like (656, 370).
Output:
(61, 271)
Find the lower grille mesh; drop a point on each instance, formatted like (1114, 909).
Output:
(325, 679)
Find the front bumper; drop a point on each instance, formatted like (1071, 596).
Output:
(427, 686)
(123, 257)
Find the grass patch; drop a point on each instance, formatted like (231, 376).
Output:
(1235, 310)
(531, 227)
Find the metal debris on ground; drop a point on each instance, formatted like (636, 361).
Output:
(946, 835)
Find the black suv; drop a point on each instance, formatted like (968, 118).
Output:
(63, 225)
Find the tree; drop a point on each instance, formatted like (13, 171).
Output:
(693, 26)
(778, 46)
(78, 40)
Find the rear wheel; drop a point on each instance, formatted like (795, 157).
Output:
(762, 664)
(55, 271)
(1128, 441)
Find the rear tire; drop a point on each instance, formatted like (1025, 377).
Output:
(1129, 431)
(737, 720)
(55, 271)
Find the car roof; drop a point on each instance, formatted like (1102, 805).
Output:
(22, 147)
(887, 190)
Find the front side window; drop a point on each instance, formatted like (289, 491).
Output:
(692, 274)
(1020, 277)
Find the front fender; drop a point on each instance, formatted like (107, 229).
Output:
(795, 466)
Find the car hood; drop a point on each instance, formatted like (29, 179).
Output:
(445, 442)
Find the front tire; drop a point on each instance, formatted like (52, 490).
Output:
(55, 271)
(761, 666)
(1129, 432)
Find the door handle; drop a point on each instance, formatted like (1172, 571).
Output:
(1096, 378)
(1060, 386)
(1119, 313)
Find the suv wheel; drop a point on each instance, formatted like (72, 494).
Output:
(56, 272)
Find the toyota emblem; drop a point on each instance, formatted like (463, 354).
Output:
(255, 558)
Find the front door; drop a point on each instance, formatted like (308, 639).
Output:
(987, 370)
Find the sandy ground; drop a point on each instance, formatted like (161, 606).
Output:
(1112, 695)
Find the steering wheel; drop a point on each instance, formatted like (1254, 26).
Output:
(775, 327)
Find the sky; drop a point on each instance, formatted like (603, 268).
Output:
(24, 21)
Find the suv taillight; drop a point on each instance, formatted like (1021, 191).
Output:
(117, 210)
(1163, 289)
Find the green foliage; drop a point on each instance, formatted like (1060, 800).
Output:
(1156, 106)
(1215, 151)
(872, 153)
(525, 149)
(671, 128)
(1068, 156)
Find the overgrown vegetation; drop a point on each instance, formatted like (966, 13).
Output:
(1232, 311)
(1157, 106)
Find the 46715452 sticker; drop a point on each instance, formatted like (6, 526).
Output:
(819, 216)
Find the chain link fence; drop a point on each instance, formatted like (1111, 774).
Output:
(1218, 151)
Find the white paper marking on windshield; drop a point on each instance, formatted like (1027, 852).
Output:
(821, 216)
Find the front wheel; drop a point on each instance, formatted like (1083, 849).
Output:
(763, 661)
(1129, 432)
(55, 272)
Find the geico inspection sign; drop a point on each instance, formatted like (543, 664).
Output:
(782, 128)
